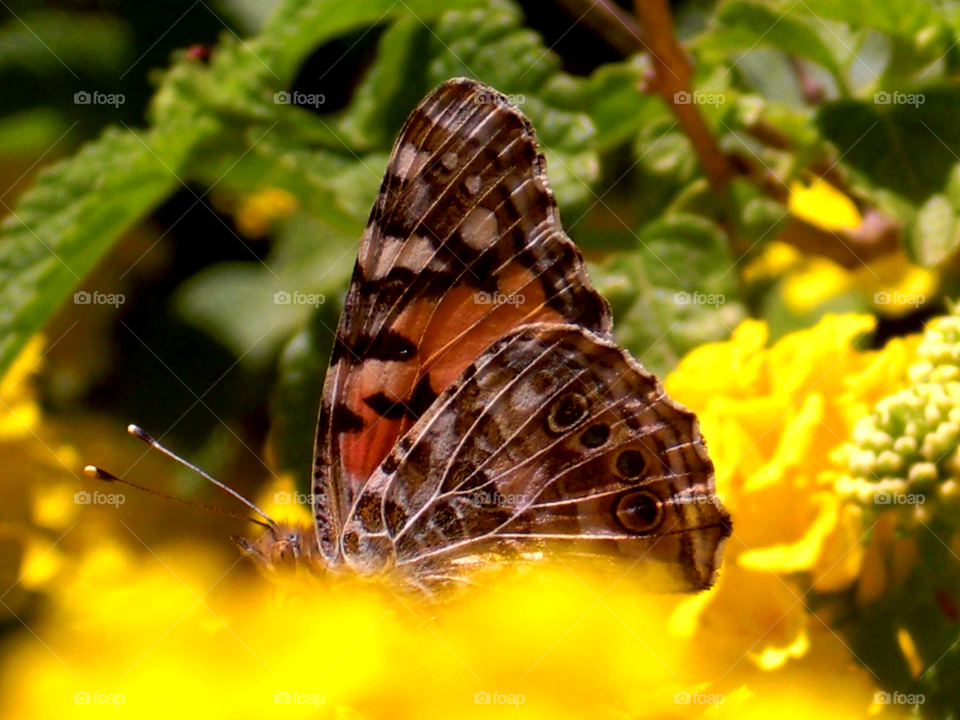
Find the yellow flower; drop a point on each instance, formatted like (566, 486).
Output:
(776, 419)
(891, 285)
(257, 212)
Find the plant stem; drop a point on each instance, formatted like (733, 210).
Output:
(672, 71)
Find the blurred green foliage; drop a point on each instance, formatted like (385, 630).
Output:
(611, 150)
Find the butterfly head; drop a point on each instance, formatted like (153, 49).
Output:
(282, 549)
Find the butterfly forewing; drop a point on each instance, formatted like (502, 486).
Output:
(463, 247)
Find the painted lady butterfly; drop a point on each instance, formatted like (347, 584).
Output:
(476, 407)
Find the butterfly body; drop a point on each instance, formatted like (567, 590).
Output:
(476, 406)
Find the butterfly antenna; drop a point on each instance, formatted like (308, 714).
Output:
(92, 471)
(141, 434)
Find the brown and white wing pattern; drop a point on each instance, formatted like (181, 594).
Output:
(552, 436)
(464, 226)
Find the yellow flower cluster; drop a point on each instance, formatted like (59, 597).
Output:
(34, 509)
(908, 445)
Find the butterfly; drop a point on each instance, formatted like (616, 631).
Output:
(476, 408)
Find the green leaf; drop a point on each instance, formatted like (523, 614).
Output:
(689, 253)
(679, 291)
(895, 17)
(490, 45)
(316, 178)
(300, 26)
(64, 41)
(759, 218)
(666, 153)
(746, 25)
(618, 108)
(237, 303)
(907, 148)
(31, 133)
(933, 236)
(293, 408)
(74, 212)
(953, 186)
(395, 84)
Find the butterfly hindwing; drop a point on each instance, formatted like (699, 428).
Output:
(552, 436)
(464, 246)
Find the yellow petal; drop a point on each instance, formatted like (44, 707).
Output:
(776, 259)
(773, 658)
(801, 555)
(259, 211)
(795, 444)
(54, 508)
(823, 206)
(820, 280)
(40, 563)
